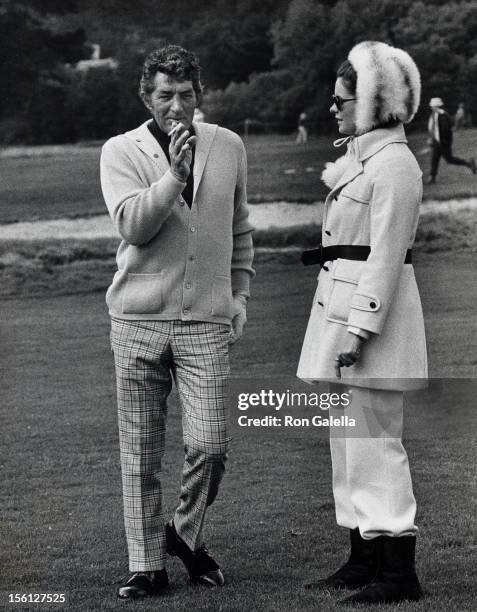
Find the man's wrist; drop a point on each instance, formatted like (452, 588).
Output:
(177, 176)
(242, 297)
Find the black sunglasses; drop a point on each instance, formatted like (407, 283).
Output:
(338, 101)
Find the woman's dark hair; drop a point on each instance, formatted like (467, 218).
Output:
(176, 62)
(349, 76)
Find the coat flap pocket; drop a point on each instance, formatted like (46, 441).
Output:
(359, 190)
(347, 270)
(362, 301)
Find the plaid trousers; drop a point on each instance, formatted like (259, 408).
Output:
(147, 354)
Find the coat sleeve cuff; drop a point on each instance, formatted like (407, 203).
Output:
(369, 321)
(366, 313)
(357, 331)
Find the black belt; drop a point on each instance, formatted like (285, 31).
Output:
(341, 251)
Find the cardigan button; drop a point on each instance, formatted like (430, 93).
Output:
(192, 229)
(327, 233)
(188, 285)
(156, 155)
(181, 202)
(372, 305)
(186, 311)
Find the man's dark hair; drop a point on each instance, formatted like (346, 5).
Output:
(174, 61)
(349, 76)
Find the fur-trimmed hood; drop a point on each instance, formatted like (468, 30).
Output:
(388, 85)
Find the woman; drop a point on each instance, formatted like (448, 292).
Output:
(366, 335)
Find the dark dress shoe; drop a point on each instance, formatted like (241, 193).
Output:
(144, 584)
(201, 567)
(396, 579)
(358, 571)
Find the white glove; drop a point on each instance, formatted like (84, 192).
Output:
(239, 317)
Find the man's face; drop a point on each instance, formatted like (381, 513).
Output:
(172, 102)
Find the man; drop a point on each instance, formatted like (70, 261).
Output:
(176, 192)
(459, 119)
(302, 136)
(440, 131)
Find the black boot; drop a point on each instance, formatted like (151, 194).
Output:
(396, 579)
(359, 570)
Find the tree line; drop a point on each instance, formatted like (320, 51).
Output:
(263, 60)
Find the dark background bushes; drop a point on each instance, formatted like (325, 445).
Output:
(263, 60)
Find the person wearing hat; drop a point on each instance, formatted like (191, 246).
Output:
(440, 131)
(365, 336)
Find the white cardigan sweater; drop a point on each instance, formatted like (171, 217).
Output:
(175, 262)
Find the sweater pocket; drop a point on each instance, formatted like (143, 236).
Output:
(143, 294)
(222, 296)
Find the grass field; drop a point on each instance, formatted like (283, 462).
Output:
(67, 184)
(272, 526)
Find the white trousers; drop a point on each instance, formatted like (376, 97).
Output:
(372, 484)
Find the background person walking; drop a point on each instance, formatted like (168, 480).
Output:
(440, 130)
(302, 136)
(460, 118)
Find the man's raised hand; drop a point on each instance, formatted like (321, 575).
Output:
(180, 151)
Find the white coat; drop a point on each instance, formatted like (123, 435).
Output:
(374, 202)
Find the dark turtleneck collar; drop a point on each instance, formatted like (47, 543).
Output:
(162, 138)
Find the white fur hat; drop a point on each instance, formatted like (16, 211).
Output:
(388, 85)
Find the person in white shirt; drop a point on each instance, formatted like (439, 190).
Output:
(440, 139)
